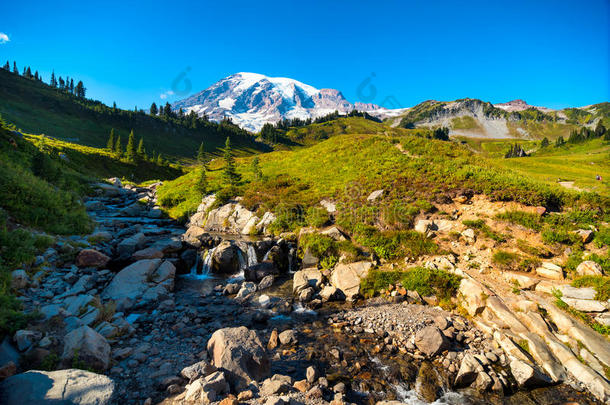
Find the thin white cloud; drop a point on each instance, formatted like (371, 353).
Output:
(168, 93)
(3, 38)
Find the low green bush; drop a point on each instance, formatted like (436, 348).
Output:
(505, 259)
(526, 219)
(601, 284)
(425, 281)
(481, 227)
(391, 245)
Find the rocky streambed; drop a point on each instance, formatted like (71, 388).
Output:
(160, 315)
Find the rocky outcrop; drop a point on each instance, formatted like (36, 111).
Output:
(151, 278)
(589, 268)
(229, 218)
(65, 387)
(225, 259)
(241, 354)
(347, 277)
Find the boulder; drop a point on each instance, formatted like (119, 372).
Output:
(472, 295)
(374, 195)
(288, 337)
(524, 282)
(148, 253)
(91, 258)
(305, 278)
(246, 289)
(225, 259)
(86, 346)
(128, 246)
(469, 235)
(329, 293)
(197, 370)
(335, 233)
(585, 305)
(424, 225)
(266, 282)
(261, 270)
(550, 270)
(527, 376)
(263, 224)
(24, 339)
(589, 268)
(132, 281)
(585, 235)
(278, 384)
(241, 354)
(469, 369)
(585, 293)
(62, 387)
(346, 277)
(330, 206)
(19, 279)
(431, 341)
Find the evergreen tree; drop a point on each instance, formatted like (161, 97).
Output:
(72, 86)
(230, 174)
(118, 148)
(28, 73)
(544, 143)
(15, 70)
(559, 142)
(36, 75)
(167, 110)
(201, 155)
(130, 151)
(141, 151)
(80, 89)
(62, 83)
(256, 169)
(600, 129)
(202, 181)
(110, 145)
(153, 109)
(7, 66)
(53, 80)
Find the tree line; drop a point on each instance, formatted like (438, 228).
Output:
(59, 83)
(580, 135)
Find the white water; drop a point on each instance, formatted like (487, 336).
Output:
(251, 256)
(205, 267)
(267, 255)
(410, 397)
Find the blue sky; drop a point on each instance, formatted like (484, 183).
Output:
(551, 53)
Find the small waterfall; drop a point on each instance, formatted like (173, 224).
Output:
(205, 266)
(251, 256)
(195, 266)
(267, 255)
(207, 261)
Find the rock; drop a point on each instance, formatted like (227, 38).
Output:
(266, 282)
(469, 235)
(603, 319)
(473, 295)
(134, 280)
(245, 395)
(526, 375)
(586, 235)
(441, 322)
(311, 374)
(263, 224)
(246, 289)
(550, 270)
(431, 341)
(306, 295)
(329, 293)
(589, 268)
(585, 305)
(91, 258)
(346, 277)
(197, 370)
(330, 206)
(301, 386)
(261, 270)
(303, 279)
(230, 400)
(24, 339)
(19, 279)
(240, 352)
(424, 225)
(467, 374)
(586, 293)
(278, 384)
(128, 246)
(7, 370)
(273, 340)
(231, 289)
(288, 337)
(546, 287)
(334, 233)
(483, 382)
(87, 347)
(374, 195)
(215, 382)
(522, 281)
(275, 401)
(148, 253)
(225, 259)
(65, 387)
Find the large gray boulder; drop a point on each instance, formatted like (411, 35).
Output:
(346, 277)
(241, 354)
(62, 387)
(86, 347)
(589, 268)
(128, 246)
(431, 341)
(135, 280)
(225, 258)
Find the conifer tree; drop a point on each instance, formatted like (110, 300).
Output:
(201, 155)
(545, 143)
(153, 109)
(118, 148)
(7, 66)
(53, 82)
(141, 151)
(110, 145)
(72, 86)
(256, 169)
(230, 174)
(28, 73)
(160, 159)
(202, 181)
(36, 75)
(130, 150)
(15, 70)
(167, 110)
(80, 89)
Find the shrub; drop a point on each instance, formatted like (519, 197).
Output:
(601, 284)
(526, 219)
(602, 237)
(425, 281)
(505, 259)
(390, 245)
(481, 227)
(316, 216)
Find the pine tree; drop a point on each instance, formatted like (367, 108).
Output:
(167, 110)
(53, 82)
(201, 155)
(36, 75)
(545, 143)
(230, 174)
(7, 66)
(72, 86)
(559, 142)
(130, 151)
(202, 181)
(110, 144)
(153, 109)
(28, 73)
(141, 151)
(80, 89)
(62, 84)
(15, 70)
(256, 169)
(118, 148)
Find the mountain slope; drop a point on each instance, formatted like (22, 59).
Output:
(38, 108)
(252, 99)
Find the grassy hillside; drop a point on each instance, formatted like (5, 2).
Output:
(349, 167)
(38, 108)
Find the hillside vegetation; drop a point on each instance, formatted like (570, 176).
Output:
(38, 108)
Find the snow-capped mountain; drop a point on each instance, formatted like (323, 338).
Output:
(252, 99)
